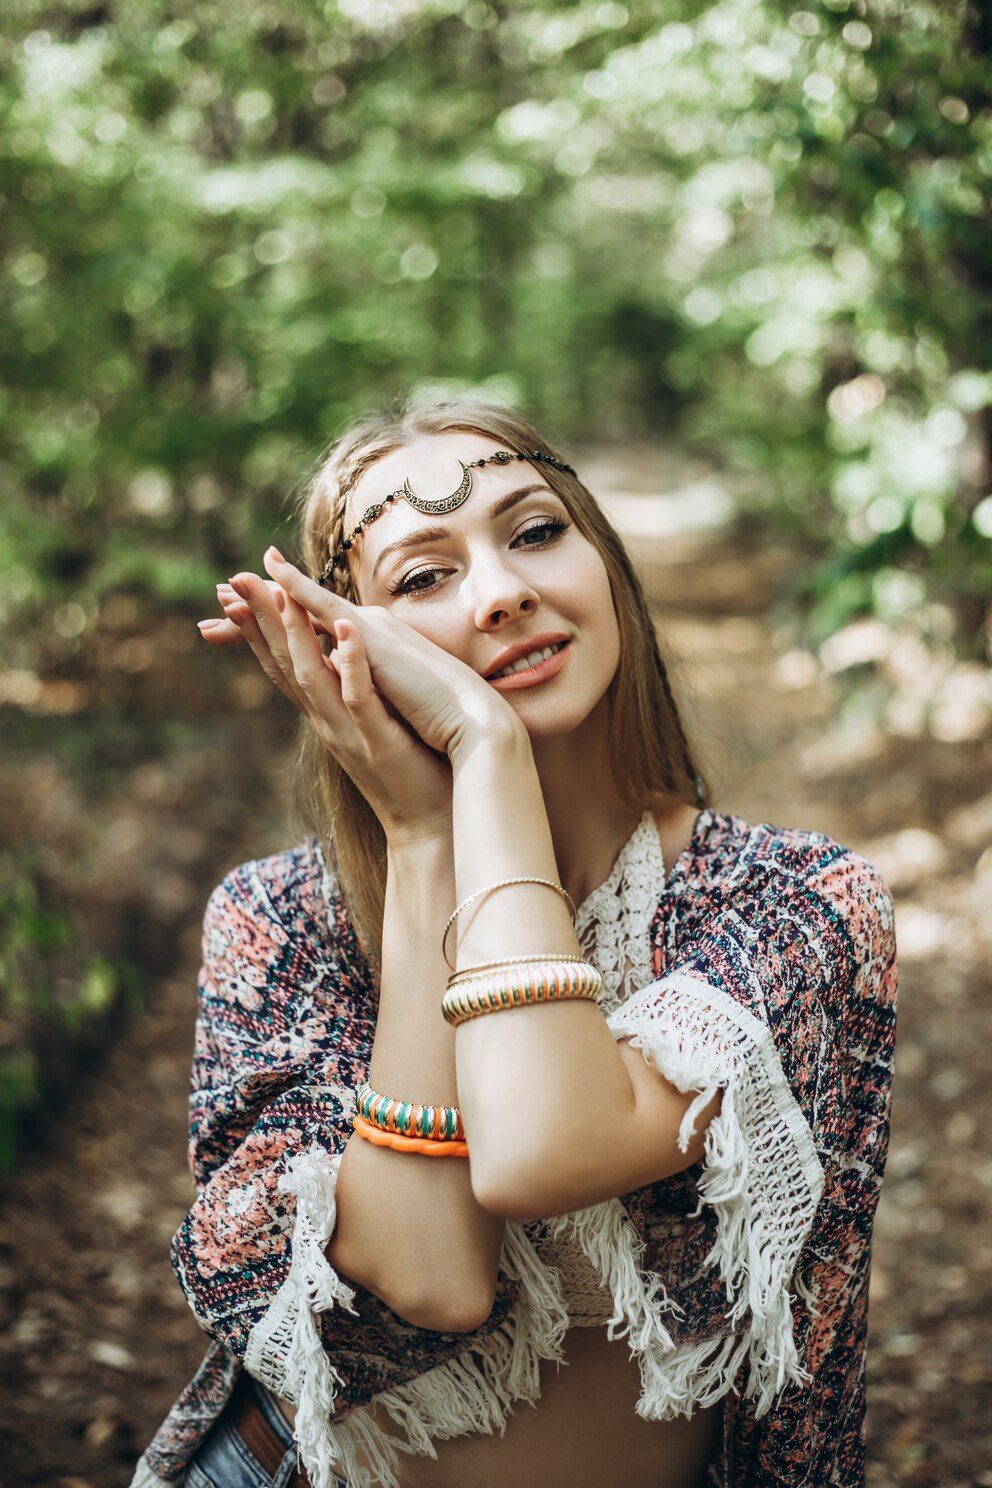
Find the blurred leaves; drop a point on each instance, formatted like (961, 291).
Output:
(55, 996)
(758, 229)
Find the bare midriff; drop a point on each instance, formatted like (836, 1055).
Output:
(584, 1432)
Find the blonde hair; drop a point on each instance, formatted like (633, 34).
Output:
(652, 763)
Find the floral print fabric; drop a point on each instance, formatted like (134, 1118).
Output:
(794, 928)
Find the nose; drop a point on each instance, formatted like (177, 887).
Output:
(500, 595)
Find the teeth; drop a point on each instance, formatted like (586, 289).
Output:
(529, 661)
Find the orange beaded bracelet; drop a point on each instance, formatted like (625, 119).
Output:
(425, 1145)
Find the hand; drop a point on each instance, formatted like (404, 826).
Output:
(240, 625)
(380, 668)
(442, 699)
(406, 785)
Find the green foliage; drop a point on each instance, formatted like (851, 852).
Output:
(759, 229)
(57, 999)
(30, 937)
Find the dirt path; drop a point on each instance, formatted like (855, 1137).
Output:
(97, 1339)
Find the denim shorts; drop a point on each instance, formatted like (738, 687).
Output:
(223, 1460)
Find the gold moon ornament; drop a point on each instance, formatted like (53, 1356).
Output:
(447, 503)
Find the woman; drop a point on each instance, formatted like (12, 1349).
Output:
(619, 1166)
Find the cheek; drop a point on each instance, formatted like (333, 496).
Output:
(598, 599)
(603, 621)
(439, 624)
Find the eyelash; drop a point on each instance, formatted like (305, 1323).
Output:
(555, 525)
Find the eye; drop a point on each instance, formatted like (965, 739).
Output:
(542, 532)
(411, 583)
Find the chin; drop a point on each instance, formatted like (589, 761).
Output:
(546, 719)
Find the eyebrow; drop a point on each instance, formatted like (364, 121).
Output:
(437, 534)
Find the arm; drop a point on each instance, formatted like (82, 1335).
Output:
(269, 1091)
(408, 1227)
(557, 1114)
(394, 1207)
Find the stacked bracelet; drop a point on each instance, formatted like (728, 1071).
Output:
(504, 883)
(541, 960)
(407, 1119)
(522, 983)
(425, 1145)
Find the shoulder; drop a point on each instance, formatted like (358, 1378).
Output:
(285, 898)
(762, 872)
(282, 888)
(728, 853)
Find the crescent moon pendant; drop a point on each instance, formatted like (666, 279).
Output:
(447, 503)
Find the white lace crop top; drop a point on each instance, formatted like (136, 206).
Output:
(612, 926)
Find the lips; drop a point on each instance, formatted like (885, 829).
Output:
(534, 673)
(529, 651)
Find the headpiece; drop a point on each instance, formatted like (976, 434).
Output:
(339, 559)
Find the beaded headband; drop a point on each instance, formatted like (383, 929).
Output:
(339, 559)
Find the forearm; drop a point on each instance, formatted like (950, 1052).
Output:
(536, 1083)
(409, 1227)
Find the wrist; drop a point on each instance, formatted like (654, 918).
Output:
(421, 842)
(497, 734)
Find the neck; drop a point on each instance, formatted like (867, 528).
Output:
(589, 821)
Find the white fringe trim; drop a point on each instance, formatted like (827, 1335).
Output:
(762, 1176)
(285, 1350)
(473, 1392)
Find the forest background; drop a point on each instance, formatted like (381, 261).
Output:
(751, 237)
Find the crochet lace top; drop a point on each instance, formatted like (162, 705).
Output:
(612, 926)
(763, 965)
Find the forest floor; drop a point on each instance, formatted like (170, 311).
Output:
(95, 1337)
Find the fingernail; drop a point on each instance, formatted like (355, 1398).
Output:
(280, 600)
(239, 588)
(276, 554)
(207, 624)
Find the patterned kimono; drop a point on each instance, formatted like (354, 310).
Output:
(762, 965)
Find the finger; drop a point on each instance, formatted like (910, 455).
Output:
(351, 665)
(281, 675)
(264, 623)
(228, 591)
(227, 595)
(319, 602)
(300, 680)
(219, 632)
(313, 672)
(366, 707)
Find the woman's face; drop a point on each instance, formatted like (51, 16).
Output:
(506, 575)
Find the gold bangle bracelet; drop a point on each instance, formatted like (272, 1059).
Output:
(540, 960)
(549, 981)
(504, 883)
